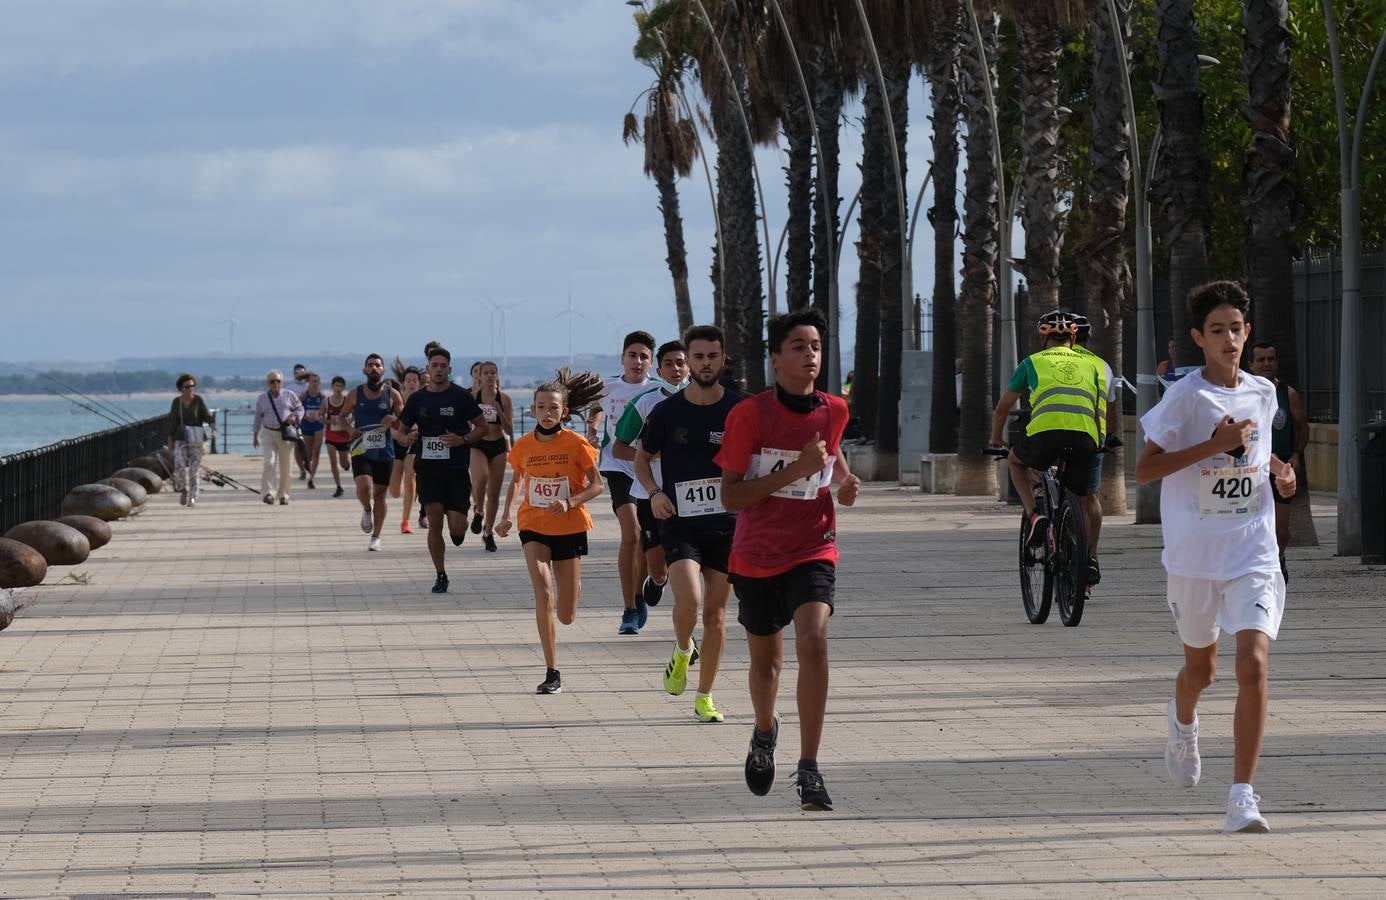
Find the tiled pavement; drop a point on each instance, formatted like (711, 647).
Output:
(242, 700)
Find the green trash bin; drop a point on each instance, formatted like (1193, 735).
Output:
(1374, 493)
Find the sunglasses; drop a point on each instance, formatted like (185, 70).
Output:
(187, 387)
(275, 381)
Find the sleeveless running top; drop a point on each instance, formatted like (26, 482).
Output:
(490, 410)
(1282, 426)
(332, 413)
(368, 415)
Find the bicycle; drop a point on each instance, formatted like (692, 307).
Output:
(1057, 566)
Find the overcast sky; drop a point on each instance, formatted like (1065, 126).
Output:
(340, 175)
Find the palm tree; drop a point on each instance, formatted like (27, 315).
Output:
(828, 28)
(1107, 278)
(1271, 203)
(1179, 189)
(795, 118)
(671, 147)
(1040, 28)
(874, 163)
(981, 241)
(941, 67)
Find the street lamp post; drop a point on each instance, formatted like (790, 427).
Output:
(1350, 348)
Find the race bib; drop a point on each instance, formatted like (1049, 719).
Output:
(374, 440)
(434, 448)
(1229, 491)
(543, 491)
(489, 412)
(702, 497)
(770, 460)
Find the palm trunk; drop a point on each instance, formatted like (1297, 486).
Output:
(1107, 277)
(798, 255)
(1179, 189)
(1041, 44)
(897, 79)
(1271, 202)
(943, 74)
(981, 240)
(866, 383)
(828, 91)
(677, 257)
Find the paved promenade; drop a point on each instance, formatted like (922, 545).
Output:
(240, 699)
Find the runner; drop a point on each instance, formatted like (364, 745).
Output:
(1218, 521)
(447, 421)
(299, 387)
(488, 454)
(685, 432)
(558, 471)
(1289, 436)
(402, 473)
(636, 354)
(672, 360)
(312, 427)
(780, 453)
(338, 433)
(373, 408)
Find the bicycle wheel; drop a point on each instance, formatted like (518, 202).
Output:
(1071, 563)
(1036, 579)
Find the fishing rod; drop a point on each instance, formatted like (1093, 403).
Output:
(88, 408)
(110, 407)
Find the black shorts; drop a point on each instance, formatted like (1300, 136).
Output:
(649, 525)
(766, 605)
(377, 469)
(618, 486)
(492, 447)
(1042, 450)
(344, 446)
(561, 546)
(450, 487)
(402, 451)
(709, 549)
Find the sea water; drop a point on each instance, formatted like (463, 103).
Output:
(28, 422)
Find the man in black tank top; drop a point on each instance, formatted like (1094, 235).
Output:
(1289, 436)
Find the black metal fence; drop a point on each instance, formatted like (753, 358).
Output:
(1318, 311)
(33, 483)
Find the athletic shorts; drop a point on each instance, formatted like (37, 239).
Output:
(1095, 480)
(709, 549)
(343, 444)
(618, 486)
(377, 469)
(402, 451)
(492, 447)
(450, 487)
(1042, 450)
(310, 428)
(766, 605)
(1203, 609)
(561, 546)
(649, 525)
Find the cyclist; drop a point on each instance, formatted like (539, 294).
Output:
(1109, 424)
(1066, 404)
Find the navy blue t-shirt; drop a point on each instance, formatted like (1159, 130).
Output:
(449, 411)
(687, 438)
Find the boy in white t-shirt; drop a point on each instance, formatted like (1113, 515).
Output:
(1209, 439)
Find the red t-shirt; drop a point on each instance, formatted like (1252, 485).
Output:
(797, 524)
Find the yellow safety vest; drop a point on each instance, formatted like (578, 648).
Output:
(1068, 394)
(1103, 388)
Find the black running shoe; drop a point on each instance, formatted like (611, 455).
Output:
(441, 585)
(760, 762)
(553, 683)
(458, 538)
(813, 796)
(476, 524)
(651, 592)
(338, 492)
(489, 542)
(1037, 523)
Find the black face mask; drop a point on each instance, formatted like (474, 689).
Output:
(549, 432)
(796, 402)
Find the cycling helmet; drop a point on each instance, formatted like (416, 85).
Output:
(1084, 327)
(1058, 322)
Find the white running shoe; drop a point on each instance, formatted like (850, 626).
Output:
(1244, 814)
(192, 501)
(367, 523)
(1181, 751)
(374, 544)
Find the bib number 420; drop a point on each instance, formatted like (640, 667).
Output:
(1232, 488)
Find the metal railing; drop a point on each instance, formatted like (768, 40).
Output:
(34, 482)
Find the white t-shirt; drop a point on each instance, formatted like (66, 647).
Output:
(615, 395)
(1218, 515)
(643, 404)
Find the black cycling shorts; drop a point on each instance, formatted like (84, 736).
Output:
(1042, 450)
(378, 469)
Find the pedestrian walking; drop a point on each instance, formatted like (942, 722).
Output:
(187, 418)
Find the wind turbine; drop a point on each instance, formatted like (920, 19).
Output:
(231, 324)
(500, 309)
(571, 313)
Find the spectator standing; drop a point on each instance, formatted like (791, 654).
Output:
(274, 410)
(186, 416)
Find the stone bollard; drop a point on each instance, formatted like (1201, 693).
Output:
(58, 544)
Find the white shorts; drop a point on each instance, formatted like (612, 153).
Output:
(1204, 608)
